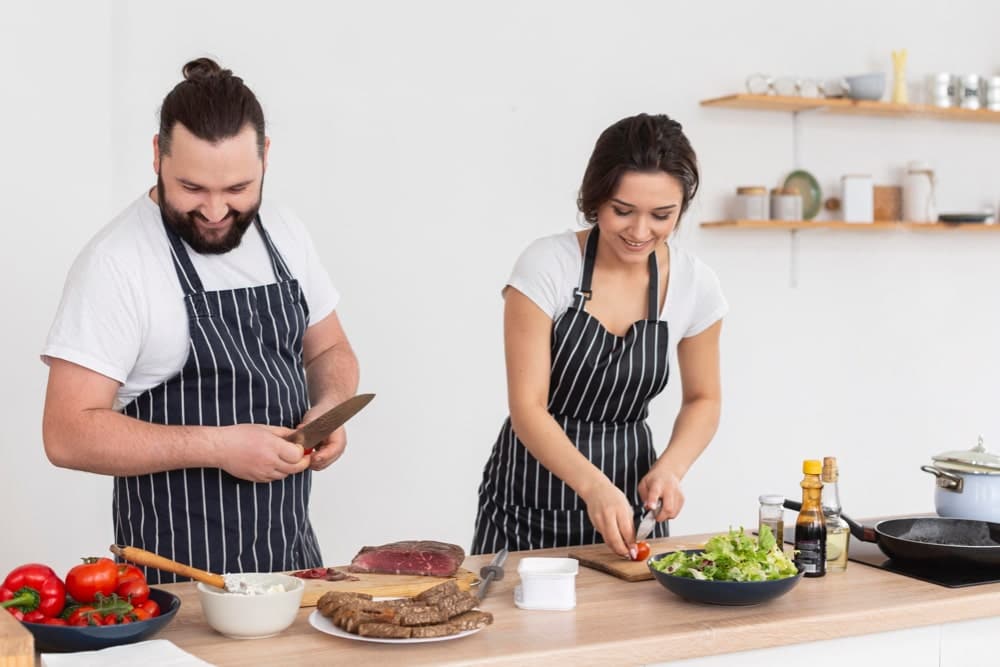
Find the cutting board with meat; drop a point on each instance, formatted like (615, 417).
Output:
(399, 569)
(599, 557)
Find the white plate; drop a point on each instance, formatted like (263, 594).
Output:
(323, 624)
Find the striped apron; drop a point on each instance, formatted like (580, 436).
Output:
(599, 390)
(244, 365)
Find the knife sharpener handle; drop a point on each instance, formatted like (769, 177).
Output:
(149, 559)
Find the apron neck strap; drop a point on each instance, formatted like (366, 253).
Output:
(583, 293)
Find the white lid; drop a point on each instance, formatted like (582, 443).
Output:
(539, 565)
(771, 499)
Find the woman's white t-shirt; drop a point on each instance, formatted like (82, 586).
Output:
(122, 312)
(550, 269)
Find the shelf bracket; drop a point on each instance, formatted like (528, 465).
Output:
(793, 258)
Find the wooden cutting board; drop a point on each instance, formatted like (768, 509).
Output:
(599, 557)
(17, 646)
(381, 585)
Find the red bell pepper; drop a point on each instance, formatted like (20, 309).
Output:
(33, 587)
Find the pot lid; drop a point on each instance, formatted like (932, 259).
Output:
(975, 459)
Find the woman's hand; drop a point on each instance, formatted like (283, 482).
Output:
(611, 513)
(662, 483)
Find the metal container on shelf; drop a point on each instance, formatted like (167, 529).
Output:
(970, 91)
(942, 89)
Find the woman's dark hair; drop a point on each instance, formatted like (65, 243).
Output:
(640, 143)
(212, 104)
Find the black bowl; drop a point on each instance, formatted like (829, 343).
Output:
(722, 592)
(60, 638)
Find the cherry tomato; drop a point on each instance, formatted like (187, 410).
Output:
(128, 572)
(151, 607)
(92, 576)
(140, 614)
(641, 551)
(82, 616)
(55, 621)
(109, 619)
(135, 591)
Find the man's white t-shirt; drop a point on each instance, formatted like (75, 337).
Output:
(550, 269)
(122, 312)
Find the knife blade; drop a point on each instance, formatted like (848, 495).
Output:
(313, 433)
(490, 573)
(648, 523)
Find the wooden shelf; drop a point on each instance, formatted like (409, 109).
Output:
(852, 226)
(846, 106)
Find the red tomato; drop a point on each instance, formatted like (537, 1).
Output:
(55, 621)
(109, 619)
(127, 572)
(151, 607)
(141, 614)
(82, 616)
(134, 590)
(641, 551)
(93, 576)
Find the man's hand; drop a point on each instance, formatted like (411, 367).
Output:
(329, 450)
(259, 453)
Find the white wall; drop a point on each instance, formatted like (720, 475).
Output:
(427, 143)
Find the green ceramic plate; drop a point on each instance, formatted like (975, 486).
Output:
(808, 187)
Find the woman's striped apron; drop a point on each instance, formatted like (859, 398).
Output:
(244, 365)
(599, 391)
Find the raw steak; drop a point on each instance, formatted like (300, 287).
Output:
(426, 557)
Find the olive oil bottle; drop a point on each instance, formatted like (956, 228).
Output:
(838, 533)
(810, 525)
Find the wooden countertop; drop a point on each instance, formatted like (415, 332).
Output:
(615, 622)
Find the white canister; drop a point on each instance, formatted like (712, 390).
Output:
(992, 93)
(970, 91)
(918, 193)
(858, 194)
(546, 583)
(786, 204)
(751, 203)
(942, 89)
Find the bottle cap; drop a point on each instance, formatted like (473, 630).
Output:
(771, 499)
(812, 467)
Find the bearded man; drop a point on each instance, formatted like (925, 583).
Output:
(194, 331)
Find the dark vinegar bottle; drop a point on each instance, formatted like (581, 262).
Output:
(810, 525)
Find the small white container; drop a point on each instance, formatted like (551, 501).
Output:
(546, 583)
(858, 195)
(751, 203)
(786, 204)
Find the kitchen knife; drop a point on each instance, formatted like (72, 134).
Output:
(313, 433)
(490, 573)
(648, 522)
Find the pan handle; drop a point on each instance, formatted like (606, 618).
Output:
(863, 533)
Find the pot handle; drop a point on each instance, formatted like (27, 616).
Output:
(863, 533)
(946, 480)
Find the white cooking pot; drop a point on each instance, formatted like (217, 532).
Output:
(968, 484)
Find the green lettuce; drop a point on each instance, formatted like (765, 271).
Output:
(733, 557)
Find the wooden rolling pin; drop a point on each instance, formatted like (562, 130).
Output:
(149, 559)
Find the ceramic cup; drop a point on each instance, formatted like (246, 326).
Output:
(865, 86)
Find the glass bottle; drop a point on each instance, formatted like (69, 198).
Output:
(838, 533)
(810, 526)
(772, 515)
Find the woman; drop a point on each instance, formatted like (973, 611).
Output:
(590, 321)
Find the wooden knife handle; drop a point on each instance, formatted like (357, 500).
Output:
(149, 559)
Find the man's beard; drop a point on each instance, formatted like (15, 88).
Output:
(185, 225)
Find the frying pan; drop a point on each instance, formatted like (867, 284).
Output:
(930, 540)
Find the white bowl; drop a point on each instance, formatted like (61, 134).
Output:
(253, 616)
